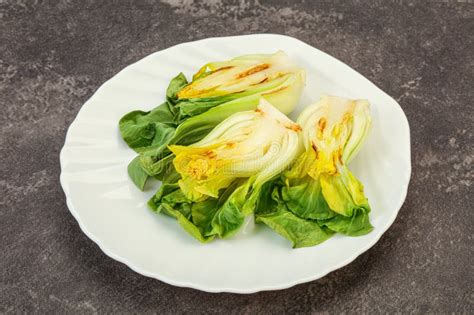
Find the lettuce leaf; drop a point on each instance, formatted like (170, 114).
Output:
(204, 219)
(144, 130)
(300, 232)
(273, 212)
(137, 174)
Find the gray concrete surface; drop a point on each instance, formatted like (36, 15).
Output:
(55, 54)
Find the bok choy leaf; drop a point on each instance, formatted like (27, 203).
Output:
(222, 176)
(319, 189)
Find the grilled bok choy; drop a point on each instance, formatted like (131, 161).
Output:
(318, 195)
(191, 110)
(217, 181)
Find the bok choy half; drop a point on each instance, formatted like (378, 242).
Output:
(192, 109)
(319, 196)
(218, 180)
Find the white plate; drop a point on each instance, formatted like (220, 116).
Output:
(113, 213)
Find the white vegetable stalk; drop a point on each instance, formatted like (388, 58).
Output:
(336, 125)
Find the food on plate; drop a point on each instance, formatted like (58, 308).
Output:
(192, 109)
(225, 152)
(318, 195)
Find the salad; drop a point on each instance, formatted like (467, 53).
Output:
(227, 154)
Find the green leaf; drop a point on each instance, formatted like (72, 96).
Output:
(343, 192)
(193, 107)
(211, 217)
(300, 232)
(356, 225)
(227, 220)
(203, 213)
(305, 199)
(188, 226)
(157, 163)
(269, 199)
(192, 229)
(142, 130)
(228, 217)
(176, 84)
(137, 174)
(258, 198)
(163, 191)
(169, 174)
(169, 196)
(273, 212)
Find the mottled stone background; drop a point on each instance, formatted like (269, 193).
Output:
(55, 54)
